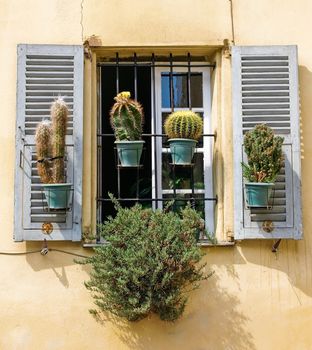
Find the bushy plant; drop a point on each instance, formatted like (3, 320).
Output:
(126, 118)
(50, 144)
(264, 154)
(149, 265)
(184, 124)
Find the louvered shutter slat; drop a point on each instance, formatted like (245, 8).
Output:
(44, 73)
(265, 90)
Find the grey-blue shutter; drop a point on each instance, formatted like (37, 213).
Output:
(265, 90)
(45, 72)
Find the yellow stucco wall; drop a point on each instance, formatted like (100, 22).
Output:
(256, 299)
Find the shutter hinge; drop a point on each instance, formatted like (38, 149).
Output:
(21, 133)
(226, 51)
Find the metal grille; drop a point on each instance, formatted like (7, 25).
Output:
(169, 63)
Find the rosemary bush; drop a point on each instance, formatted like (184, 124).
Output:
(264, 154)
(149, 264)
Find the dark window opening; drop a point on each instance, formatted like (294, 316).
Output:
(128, 177)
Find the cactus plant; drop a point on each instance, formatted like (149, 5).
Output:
(59, 115)
(43, 146)
(50, 145)
(183, 128)
(264, 162)
(126, 117)
(264, 154)
(184, 124)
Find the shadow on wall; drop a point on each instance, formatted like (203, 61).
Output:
(212, 320)
(55, 260)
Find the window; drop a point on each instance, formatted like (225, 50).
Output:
(162, 86)
(263, 89)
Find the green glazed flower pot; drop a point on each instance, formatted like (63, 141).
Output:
(58, 196)
(182, 151)
(129, 152)
(258, 194)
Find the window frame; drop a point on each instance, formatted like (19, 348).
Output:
(204, 67)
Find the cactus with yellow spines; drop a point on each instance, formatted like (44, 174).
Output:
(184, 124)
(50, 144)
(59, 115)
(126, 118)
(43, 147)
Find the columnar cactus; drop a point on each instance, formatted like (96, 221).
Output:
(126, 117)
(50, 144)
(184, 124)
(59, 114)
(264, 154)
(43, 146)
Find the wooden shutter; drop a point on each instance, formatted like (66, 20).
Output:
(265, 90)
(45, 72)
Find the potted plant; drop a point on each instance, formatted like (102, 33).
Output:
(50, 148)
(184, 129)
(264, 162)
(150, 265)
(126, 117)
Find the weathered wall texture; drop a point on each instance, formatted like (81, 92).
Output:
(256, 299)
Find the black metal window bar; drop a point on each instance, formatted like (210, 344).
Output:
(153, 62)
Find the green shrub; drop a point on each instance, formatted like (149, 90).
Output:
(264, 154)
(149, 264)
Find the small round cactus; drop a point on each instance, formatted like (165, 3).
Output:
(126, 117)
(184, 124)
(43, 147)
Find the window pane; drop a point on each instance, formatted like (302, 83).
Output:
(180, 90)
(197, 90)
(165, 91)
(181, 179)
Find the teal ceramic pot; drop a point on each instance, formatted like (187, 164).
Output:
(58, 196)
(129, 152)
(182, 151)
(258, 194)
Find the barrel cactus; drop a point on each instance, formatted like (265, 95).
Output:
(126, 117)
(50, 144)
(184, 124)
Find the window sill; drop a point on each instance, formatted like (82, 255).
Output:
(202, 243)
